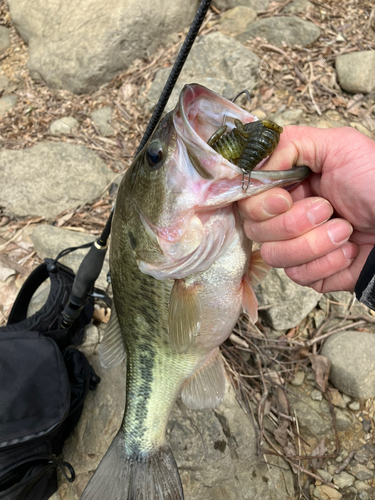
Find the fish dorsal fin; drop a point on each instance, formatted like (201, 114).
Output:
(206, 388)
(112, 349)
(249, 300)
(258, 269)
(184, 315)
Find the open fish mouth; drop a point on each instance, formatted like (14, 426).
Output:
(198, 115)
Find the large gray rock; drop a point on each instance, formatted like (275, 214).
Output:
(352, 356)
(257, 5)
(4, 39)
(234, 21)
(356, 71)
(48, 241)
(216, 61)
(49, 178)
(82, 44)
(289, 303)
(215, 450)
(278, 30)
(297, 6)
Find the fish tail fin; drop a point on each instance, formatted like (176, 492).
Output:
(148, 477)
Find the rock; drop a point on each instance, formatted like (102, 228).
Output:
(297, 6)
(3, 83)
(355, 406)
(216, 61)
(48, 178)
(234, 21)
(312, 421)
(101, 117)
(361, 486)
(344, 419)
(215, 450)
(4, 39)
(298, 379)
(7, 103)
(353, 370)
(278, 30)
(325, 492)
(81, 48)
(366, 453)
(343, 479)
(316, 395)
(361, 472)
(290, 303)
(290, 117)
(356, 71)
(63, 125)
(336, 398)
(326, 476)
(257, 5)
(48, 241)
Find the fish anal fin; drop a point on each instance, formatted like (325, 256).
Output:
(112, 349)
(249, 300)
(184, 315)
(118, 476)
(206, 388)
(257, 269)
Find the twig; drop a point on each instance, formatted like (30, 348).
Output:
(346, 462)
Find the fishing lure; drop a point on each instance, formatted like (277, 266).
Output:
(247, 144)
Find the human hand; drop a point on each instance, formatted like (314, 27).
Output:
(295, 228)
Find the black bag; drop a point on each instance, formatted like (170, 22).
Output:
(41, 388)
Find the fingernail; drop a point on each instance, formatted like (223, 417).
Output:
(319, 211)
(276, 204)
(339, 231)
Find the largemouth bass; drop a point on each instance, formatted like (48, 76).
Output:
(182, 272)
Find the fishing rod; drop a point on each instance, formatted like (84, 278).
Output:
(92, 263)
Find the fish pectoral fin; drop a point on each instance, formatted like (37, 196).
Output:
(258, 269)
(206, 388)
(249, 300)
(184, 315)
(112, 349)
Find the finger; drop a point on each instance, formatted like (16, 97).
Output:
(304, 146)
(303, 216)
(266, 205)
(346, 279)
(302, 191)
(308, 247)
(324, 267)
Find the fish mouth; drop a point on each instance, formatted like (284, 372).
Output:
(198, 115)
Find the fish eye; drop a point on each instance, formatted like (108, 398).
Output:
(155, 155)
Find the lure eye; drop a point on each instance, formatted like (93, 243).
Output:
(155, 155)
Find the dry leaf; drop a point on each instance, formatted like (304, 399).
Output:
(281, 433)
(321, 367)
